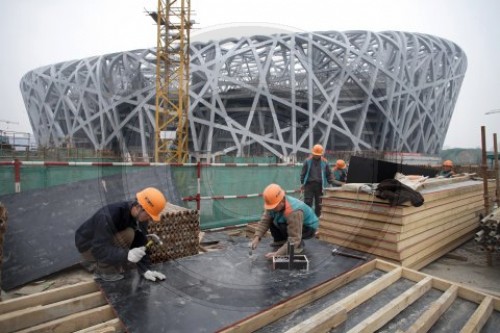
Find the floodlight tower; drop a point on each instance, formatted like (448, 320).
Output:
(172, 80)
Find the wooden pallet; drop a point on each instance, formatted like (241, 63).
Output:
(339, 312)
(80, 307)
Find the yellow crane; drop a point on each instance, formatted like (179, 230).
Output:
(172, 80)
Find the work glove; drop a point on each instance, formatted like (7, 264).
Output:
(136, 254)
(153, 275)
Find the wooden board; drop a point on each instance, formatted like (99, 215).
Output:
(78, 307)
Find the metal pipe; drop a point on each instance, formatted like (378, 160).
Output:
(497, 179)
(484, 169)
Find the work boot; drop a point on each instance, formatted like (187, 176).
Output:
(277, 243)
(89, 266)
(108, 273)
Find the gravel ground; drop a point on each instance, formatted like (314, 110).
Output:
(468, 265)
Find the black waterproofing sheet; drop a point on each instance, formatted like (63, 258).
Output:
(210, 291)
(40, 237)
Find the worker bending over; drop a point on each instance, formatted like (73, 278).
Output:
(315, 176)
(287, 218)
(116, 234)
(339, 173)
(447, 170)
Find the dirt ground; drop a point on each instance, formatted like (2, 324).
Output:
(466, 265)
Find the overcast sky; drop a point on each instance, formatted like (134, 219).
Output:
(36, 33)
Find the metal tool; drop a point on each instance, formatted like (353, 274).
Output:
(344, 253)
(153, 239)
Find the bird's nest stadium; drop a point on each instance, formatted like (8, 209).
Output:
(274, 95)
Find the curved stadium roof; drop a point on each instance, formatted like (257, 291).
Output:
(265, 95)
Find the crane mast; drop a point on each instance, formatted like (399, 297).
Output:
(172, 81)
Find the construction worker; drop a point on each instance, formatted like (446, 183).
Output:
(339, 173)
(116, 235)
(447, 170)
(287, 218)
(314, 177)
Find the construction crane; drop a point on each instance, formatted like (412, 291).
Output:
(172, 80)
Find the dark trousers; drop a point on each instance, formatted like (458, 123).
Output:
(123, 239)
(280, 233)
(313, 192)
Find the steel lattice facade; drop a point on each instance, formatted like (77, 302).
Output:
(270, 95)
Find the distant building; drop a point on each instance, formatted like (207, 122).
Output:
(273, 95)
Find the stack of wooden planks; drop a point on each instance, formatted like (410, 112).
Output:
(179, 230)
(407, 235)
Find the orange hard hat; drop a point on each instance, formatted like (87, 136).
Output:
(448, 163)
(340, 164)
(317, 150)
(153, 202)
(273, 194)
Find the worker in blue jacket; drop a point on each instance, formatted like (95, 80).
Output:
(339, 173)
(288, 219)
(315, 176)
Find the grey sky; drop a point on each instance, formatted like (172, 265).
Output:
(35, 33)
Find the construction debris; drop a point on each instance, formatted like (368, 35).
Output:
(488, 237)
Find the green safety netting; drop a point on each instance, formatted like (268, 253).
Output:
(215, 181)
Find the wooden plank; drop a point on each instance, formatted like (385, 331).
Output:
(429, 246)
(430, 193)
(367, 292)
(17, 320)
(435, 310)
(74, 322)
(424, 260)
(269, 315)
(375, 228)
(49, 296)
(465, 292)
(113, 325)
(393, 214)
(335, 314)
(415, 253)
(340, 216)
(390, 310)
(322, 322)
(382, 242)
(406, 208)
(480, 316)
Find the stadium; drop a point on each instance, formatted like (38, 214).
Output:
(273, 95)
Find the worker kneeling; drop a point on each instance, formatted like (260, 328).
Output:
(117, 234)
(287, 218)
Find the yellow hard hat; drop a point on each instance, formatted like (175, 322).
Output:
(340, 164)
(448, 163)
(273, 194)
(317, 150)
(153, 202)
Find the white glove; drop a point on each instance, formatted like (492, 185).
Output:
(153, 275)
(136, 254)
